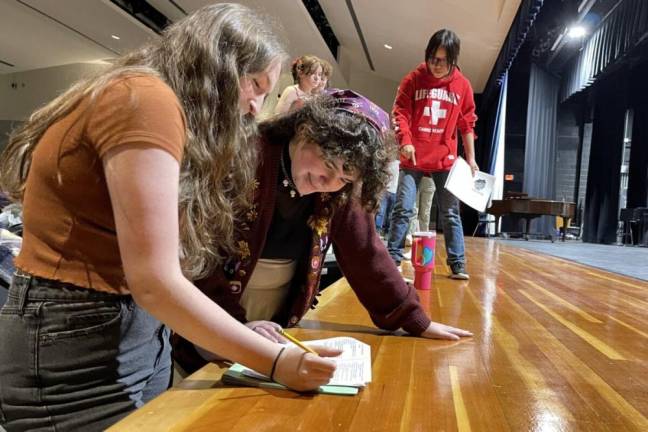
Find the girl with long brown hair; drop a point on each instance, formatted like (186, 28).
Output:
(131, 182)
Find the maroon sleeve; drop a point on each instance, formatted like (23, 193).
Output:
(184, 352)
(402, 111)
(373, 276)
(218, 289)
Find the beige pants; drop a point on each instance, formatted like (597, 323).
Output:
(421, 219)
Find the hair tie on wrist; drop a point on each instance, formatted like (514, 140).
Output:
(274, 363)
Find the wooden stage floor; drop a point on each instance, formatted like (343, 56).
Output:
(558, 347)
(562, 346)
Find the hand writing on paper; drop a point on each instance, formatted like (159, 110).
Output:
(267, 329)
(409, 152)
(441, 331)
(302, 370)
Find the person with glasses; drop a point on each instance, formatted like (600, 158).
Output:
(432, 102)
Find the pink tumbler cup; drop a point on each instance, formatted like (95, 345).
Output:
(423, 258)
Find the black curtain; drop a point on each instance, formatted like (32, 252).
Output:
(638, 175)
(487, 105)
(602, 198)
(517, 35)
(622, 29)
(540, 147)
(485, 131)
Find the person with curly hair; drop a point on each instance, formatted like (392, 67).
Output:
(307, 76)
(322, 172)
(119, 177)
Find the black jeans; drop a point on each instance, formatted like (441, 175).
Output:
(76, 359)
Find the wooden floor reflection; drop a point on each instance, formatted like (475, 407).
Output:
(557, 347)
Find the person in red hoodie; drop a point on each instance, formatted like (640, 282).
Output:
(432, 102)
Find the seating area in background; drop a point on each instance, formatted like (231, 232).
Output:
(9, 248)
(635, 226)
(11, 227)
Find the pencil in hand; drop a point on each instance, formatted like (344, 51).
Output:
(297, 342)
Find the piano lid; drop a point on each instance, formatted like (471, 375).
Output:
(515, 195)
(530, 206)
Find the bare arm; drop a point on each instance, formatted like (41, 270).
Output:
(469, 148)
(143, 185)
(466, 126)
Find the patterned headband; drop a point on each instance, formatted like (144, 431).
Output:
(355, 103)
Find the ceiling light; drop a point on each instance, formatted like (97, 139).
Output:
(388, 46)
(576, 32)
(115, 37)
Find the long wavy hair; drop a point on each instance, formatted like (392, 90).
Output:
(201, 58)
(365, 152)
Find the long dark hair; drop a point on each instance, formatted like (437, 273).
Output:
(448, 40)
(340, 134)
(201, 58)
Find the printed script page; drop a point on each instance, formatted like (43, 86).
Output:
(353, 365)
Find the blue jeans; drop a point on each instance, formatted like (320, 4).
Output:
(384, 212)
(408, 181)
(76, 359)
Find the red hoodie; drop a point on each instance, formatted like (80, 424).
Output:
(427, 112)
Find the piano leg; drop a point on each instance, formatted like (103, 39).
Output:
(564, 227)
(527, 222)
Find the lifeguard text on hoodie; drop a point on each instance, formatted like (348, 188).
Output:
(427, 113)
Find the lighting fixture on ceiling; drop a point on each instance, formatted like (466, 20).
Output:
(576, 32)
(115, 37)
(388, 46)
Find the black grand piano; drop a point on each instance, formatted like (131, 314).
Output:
(521, 206)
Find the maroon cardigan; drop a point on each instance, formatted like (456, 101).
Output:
(361, 255)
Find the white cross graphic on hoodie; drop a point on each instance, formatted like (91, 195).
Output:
(435, 113)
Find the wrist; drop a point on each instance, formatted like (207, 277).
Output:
(274, 363)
